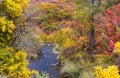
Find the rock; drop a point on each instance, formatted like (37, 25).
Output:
(32, 56)
(57, 66)
(3, 76)
(65, 76)
(68, 52)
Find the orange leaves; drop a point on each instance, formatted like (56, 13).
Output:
(54, 14)
(48, 6)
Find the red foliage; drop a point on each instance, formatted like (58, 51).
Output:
(106, 53)
(111, 45)
(109, 12)
(107, 26)
(117, 36)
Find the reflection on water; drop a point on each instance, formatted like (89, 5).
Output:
(43, 64)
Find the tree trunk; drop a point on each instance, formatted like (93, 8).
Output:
(92, 32)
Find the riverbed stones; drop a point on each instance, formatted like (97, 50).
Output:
(3, 76)
(32, 56)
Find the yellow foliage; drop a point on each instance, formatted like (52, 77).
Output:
(67, 30)
(13, 9)
(58, 7)
(43, 37)
(6, 28)
(117, 47)
(110, 72)
(23, 3)
(63, 37)
(20, 55)
(13, 63)
(6, 25)
(60, 36)
(52, 37)
(68, 43)
(48, 6)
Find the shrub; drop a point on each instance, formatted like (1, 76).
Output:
(86, 74)
(13, 63)
(63, 38)
(103, 59)
(107, 28)
(53, 14)
(13, 8)
(6, 30)
(117, 47)
(110, 72)
(76, 66)
(70, 69)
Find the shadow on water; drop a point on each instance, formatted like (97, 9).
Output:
(44, 62)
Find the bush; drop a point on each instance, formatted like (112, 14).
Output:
(53, 15)
(6, 30)
(70, 69)
(13, 63)
(61, 37)
(13, 8)
(87, 74)
(107, 32)
(110, 72)
(103, 59)
(117, 48)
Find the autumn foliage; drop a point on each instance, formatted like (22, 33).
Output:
(68, 24)
(13, 62)
(110, 72)
(6, 30)
(107, 28)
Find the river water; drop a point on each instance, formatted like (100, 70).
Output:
(44, 62)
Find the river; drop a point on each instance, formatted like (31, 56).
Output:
(45, 61)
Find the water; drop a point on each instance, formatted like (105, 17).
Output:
(44, 62)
